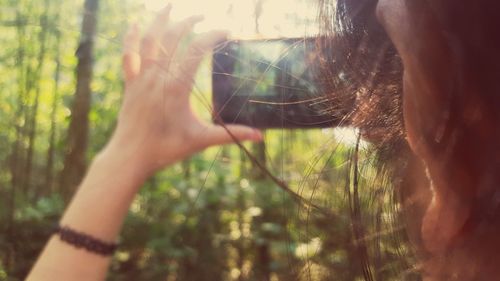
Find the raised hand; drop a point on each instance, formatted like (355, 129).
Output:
(157, 126)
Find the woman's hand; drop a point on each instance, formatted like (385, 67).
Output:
(157, 126)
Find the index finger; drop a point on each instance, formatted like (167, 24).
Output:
(189, 63)
(151, 41)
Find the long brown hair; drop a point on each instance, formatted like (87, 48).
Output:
(363, 74)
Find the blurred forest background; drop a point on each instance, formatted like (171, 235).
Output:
(215, 216)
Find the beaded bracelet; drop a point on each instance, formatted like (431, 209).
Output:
(85, 241)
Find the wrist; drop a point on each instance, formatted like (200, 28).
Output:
(104, 196)
(125, 160)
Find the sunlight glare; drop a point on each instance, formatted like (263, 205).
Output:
(279, 18)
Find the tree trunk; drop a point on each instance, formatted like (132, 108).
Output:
(186, 169)
(262, 260)
(378, 263)
(240, 245)
(75, 158)
(257, 14)
(49, 167)
(259, 148)
(15, 161)
(359, 238)
(259, 151)
(263, 270)
(34, 109)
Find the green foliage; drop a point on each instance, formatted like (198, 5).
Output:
(208, 218)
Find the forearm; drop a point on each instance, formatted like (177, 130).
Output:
(98, 209)
(156, 128)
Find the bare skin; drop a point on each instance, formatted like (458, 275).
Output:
(451, 118)
(451, 65)
(148, 137)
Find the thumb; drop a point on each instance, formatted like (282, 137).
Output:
(227, 134)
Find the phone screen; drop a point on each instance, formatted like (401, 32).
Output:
(269, 84)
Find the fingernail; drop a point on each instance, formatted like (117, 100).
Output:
(218, 36)
(165, 11)
(257, 135)
(222, 32)
(197, 18)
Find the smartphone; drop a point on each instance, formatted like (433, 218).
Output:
(270, 84)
